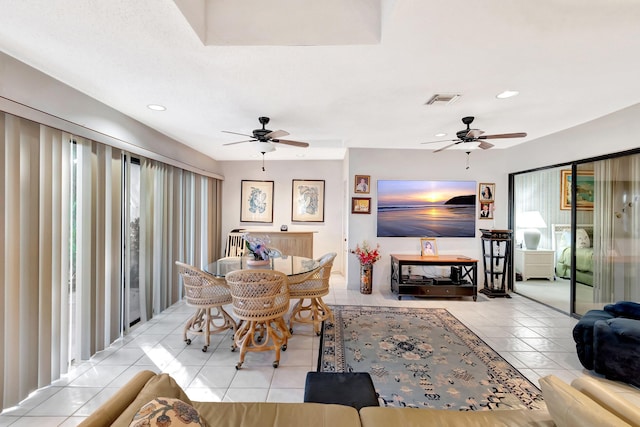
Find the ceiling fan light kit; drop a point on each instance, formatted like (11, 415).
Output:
(474, 135)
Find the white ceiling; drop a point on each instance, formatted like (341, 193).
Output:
(356, 74)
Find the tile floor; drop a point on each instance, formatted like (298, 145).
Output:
(534, 338)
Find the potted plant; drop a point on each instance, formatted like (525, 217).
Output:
(367, 256)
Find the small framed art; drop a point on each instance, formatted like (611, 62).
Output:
(486, 192)
(362, 183)
(584, 190)
(486, 210)
(307, 201)
(428, 247)
(256, 201)
(361, 205)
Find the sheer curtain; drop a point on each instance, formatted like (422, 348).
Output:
(62, 212)
(179, 221)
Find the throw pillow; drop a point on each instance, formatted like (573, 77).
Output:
(628, 309)
(570, 408)
(165, 412)
(582, 239)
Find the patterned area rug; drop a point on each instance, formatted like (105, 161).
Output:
(423, 358)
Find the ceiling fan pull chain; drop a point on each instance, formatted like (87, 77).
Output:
(468, 164)
(263, 169)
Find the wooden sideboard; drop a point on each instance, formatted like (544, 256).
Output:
(298, 243)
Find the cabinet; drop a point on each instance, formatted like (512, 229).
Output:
(298, 243)
(462, 281)
(496, 260)
(535, 263)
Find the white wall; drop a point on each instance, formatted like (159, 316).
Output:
(329, 236)
(485, 166)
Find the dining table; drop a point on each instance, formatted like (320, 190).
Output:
(291, 265)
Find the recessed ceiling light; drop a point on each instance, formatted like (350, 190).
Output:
(156, 107)
(507, 94)
(440, 134)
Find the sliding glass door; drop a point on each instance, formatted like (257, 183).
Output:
(589, 233)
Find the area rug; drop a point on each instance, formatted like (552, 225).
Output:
(423, 358)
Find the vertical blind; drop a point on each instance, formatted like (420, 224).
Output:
(51, 317)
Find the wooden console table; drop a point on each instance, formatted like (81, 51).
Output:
(465, 284)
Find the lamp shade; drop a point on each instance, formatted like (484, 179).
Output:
(531, 221)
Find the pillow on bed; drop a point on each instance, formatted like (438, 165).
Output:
(582, 239)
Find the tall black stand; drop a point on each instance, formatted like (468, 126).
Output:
(496, 259)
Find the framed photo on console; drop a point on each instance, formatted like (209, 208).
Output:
(428, 247)
(256, 201)
(307, 201)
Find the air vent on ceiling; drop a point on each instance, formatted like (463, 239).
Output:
(443, 99)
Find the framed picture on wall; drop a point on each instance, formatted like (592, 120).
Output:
(428, 247)
(362, 184)
(361, 205)
(584, 190)
(486, 191)
(307, 200)
(256, 201)
(486, 210)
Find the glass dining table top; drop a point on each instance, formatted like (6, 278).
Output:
(287, 264)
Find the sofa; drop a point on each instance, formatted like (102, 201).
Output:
(151, 399)
(608, 341)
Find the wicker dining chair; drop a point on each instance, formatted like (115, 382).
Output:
(260, 301)
(205, 292)
(312, 287)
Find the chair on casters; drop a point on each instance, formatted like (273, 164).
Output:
(260, 300)
(205, 292)
(312, 286)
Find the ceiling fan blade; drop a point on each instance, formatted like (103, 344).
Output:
(287, 142)
(485, 145)
(504, 135)
(447, 146)
(442, 140)
(276, 134)
(239, 142)
(474, 133)
(236, 133)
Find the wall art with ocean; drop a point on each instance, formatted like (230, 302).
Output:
(426, 208)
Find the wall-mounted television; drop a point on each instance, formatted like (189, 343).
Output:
(426, 208)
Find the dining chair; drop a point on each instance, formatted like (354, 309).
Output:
(260, 301)
(206, 293)
(235, 244)
(312, 287)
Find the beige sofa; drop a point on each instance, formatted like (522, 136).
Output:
(586, 402)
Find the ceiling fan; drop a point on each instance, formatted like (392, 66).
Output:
(265, 135)
(475, 135)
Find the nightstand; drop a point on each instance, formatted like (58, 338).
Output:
(535, 263)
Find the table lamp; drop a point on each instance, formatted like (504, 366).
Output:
(531, 221)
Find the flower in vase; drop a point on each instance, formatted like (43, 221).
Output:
(257, 247)
(366, 255)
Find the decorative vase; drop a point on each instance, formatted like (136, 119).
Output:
(257, 262)
(366, 275)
